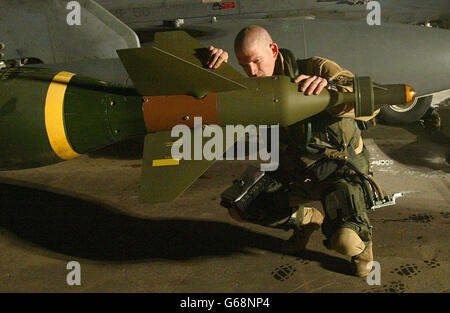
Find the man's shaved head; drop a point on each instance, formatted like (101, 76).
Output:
(255, 51)
(250, 36)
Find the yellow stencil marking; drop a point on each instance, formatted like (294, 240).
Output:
(54, 116)
(165, 162)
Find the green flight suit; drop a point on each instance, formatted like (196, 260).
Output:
(310, 167)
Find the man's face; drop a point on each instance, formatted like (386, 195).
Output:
(258, 59)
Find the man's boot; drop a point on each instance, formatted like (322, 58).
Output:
(360, 262)
(312, 220)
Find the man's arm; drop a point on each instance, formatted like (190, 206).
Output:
(341, 78)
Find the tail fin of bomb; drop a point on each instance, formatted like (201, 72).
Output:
(174, 65)
(164, 178)
(56, 31)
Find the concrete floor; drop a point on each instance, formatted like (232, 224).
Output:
(87, 210)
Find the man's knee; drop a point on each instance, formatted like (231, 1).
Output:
(346, 241)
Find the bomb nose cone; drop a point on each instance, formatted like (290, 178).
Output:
(410, 93)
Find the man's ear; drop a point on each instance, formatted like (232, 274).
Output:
(274, 48)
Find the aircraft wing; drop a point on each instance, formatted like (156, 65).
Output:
(63, 32)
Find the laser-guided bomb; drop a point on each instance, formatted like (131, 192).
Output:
(48, 116)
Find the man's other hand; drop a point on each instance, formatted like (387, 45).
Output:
(216, 57)
(311, 84)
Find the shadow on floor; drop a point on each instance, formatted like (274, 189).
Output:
(84, 229)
